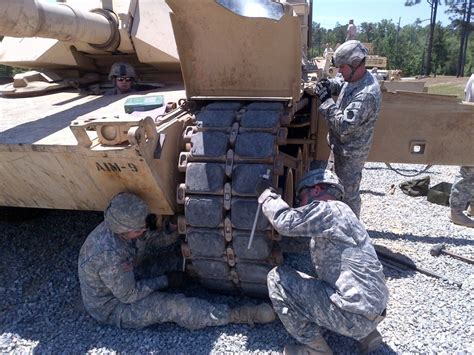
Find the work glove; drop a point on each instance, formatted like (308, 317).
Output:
(309, 87)
(151, 221)
(170, 225)
(323, 90)
(262, 185)
(176, 279)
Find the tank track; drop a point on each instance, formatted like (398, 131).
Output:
(229, 146)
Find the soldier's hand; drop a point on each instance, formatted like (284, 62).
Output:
(176, 279)
(262, 185)
(309, 87)
(323, 90)
(151, 221)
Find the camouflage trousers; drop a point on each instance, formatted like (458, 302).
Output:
(349, 171)
(304, 307)
(462, 191)
(161, 307)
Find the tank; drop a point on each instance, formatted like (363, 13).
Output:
(229, 74)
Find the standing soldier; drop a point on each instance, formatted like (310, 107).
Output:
(351, 119)
(112, 294)
(349, 295)
(327, 50)
(462, 191)
(351, 32)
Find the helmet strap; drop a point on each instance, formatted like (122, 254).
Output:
(353, 70)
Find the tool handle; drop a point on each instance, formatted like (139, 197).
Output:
(267, 175)
(410, 264)
(254, 226)
(438, 276)
(459, 257)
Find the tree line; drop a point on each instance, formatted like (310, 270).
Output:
(431, 49)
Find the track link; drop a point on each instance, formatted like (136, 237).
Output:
(229, 146)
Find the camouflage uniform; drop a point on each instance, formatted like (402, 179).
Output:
(110, 290)
(351, 123)
(114, 91)
(463, 189)
(349, 296)
(157, 252)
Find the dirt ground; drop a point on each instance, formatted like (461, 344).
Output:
(445, 80)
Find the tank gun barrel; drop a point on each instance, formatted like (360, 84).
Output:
(34, 18)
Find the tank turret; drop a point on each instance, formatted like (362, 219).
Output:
(72, 38)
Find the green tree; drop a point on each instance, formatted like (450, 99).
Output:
(439, 50)
(321, 36)
(384, 42)
(411, 45)
(367, 31)
(429, 49)
(405, 47)
(460, 15)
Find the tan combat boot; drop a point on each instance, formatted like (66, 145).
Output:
(458, 217)
(371, 342)
(316, 347)
(250, 314)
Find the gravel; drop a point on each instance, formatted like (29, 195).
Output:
(41, 310)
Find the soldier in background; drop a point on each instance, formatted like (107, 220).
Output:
(327, 50)
(351, 119)
(375, 73)
(112, 294)
(351, 32)
(123, 77)
(462, 191)
(349, 295)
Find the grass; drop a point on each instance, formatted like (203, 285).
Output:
(447, 89)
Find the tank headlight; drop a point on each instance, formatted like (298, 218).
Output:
(110, 133)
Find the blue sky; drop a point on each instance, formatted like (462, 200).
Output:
(329, 12)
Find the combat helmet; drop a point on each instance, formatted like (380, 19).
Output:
(122, 69)
(351, 53)
(126, 212)
(321, 176)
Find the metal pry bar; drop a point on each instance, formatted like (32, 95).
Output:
(259, 207)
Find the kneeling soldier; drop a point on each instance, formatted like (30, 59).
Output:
(349, 295)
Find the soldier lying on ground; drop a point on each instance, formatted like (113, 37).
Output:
(112, 294)
(349, 295)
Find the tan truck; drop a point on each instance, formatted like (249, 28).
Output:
(234, 68)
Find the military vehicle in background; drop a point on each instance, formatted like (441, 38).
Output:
(234, 68)
(389, 80)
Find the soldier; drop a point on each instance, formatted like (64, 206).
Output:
(462, 195)
(469, 90)
(462, 191)
(351, 32)
(349, 295)
(375, 73)
(123, 77)
(352, 118)
(327, 50)
(112, 294)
